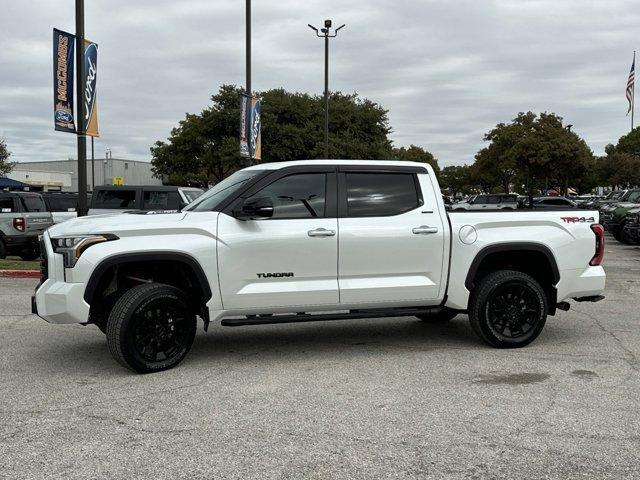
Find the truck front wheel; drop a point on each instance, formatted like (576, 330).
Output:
(151, 328)
(508, 309)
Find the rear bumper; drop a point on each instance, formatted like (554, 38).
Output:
(17, 241)
(588, 282)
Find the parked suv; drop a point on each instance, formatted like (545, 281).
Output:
(23, 216)
(120, 199)
(488, 202)
(62, 205)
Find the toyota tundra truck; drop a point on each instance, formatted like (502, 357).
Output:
(311, 241)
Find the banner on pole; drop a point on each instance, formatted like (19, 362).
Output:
(91, 74)
(250, 127)
(63, 49)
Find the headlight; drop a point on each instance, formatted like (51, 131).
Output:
(72, 247)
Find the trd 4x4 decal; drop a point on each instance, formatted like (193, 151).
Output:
(578, 219)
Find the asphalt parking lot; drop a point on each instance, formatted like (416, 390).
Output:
(367, 399)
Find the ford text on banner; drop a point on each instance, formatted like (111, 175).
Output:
(63, 48)
(91, 73)
(250, 126)
(255, 137)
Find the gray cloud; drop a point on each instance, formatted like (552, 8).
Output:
(446, 70)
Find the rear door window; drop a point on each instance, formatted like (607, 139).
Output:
(6, 205)
(115, 199)
(381, 194)
(33, 203)
(493, 199)
(158, 200)
(62, 203)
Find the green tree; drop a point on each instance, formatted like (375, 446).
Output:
(416, 154)
(5, 165)
(629, 143)
(204, 148)
(537, 151)
(457, 179)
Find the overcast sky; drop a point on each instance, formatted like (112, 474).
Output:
(447, 71)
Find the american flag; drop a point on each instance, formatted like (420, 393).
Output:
(630, 83)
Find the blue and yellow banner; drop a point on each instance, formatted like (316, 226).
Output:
(63, 49)
(250, 127)
(91, 75)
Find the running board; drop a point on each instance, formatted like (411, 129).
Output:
(308, 317)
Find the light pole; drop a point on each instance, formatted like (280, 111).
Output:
(82, 124)
(248, 63)
(326, 34)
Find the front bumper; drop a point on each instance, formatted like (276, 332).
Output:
(55, 300)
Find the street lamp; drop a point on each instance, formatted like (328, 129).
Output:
(326, 34)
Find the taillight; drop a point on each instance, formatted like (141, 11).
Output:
(599, 231)
(19, 224)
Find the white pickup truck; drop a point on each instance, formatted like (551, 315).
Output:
(315, 240)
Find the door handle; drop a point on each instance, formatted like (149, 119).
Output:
(321, 232)
(425, 230)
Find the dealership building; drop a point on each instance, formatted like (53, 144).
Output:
(62, 175)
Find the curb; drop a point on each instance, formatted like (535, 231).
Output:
(19, 273)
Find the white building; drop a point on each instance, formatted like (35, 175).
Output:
(63, 174)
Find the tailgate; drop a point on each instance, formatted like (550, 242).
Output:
(37, 223)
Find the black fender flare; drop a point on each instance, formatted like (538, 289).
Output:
(510, 247)
(124, 258)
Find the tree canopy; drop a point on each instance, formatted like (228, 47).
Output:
(532, 151)
(204, 148)
(5, 165)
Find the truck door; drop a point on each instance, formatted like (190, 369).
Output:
(289, 260)
(391, 247)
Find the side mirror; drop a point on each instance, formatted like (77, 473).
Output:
(260, 207)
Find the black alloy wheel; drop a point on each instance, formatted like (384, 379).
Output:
(508, 309)
(151, 328)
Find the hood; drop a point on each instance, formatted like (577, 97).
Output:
(115, 223)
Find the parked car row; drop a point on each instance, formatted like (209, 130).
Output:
(620, 216)
(511, 201)
(26, 215)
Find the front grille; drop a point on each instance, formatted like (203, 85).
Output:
(44, 263)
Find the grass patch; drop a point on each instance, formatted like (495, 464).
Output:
(16, 263)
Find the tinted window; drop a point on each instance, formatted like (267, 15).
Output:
(480, 199)
(191, 195)
(223, 190)
(634, 197)
(380, 194)
(115, 199)
(493, 199)
(154, 200)
(6, 205)
(508, 199)
(297, 196)
(33, 203)
(62, 203)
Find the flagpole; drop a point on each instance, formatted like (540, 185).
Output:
(633, 94)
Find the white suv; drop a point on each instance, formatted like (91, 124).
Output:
(488, 202)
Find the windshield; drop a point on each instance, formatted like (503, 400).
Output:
(212, 197)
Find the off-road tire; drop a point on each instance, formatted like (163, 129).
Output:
(482, 308)
(442, 316)
(129, 317)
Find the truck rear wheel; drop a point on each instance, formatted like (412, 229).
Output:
(3, 250)
(151, 328)
(508, 309)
